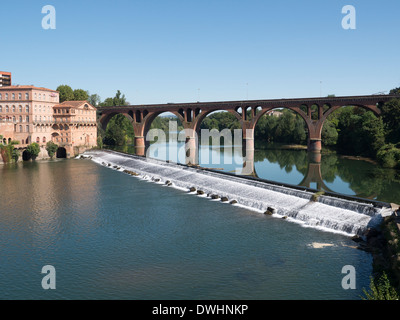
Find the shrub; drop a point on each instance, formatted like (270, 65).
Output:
(389, 156)
(33, 150)
(380, 289)
(51, 148)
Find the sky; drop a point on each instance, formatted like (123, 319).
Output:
(162, 51)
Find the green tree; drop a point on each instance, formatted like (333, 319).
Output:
(119, 129)
(51, 148)
(395, 91)
(381, 289)
(66, 93)
(80, 95)
(94, 99)
(33, 150)
(329, 133)
(391, 118)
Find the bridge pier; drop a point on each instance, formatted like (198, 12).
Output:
(140, 146)
(314, 145)
(191, 150)
(248, 152)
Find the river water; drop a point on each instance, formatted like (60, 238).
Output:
(113, 236)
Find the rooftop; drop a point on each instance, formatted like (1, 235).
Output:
(18, 87)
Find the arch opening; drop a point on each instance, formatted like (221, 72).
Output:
(281, 126)
(61, 152)
(117, 130)
(163, 136)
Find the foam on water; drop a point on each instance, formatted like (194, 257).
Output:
(328, 213)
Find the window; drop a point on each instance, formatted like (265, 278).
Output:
(20, 108)
(27, 129)
(27, 119)
(20, 118)
(19, 96)
(27, 96)
(13, 119)
(13, 96)
(38, 140)
(20, 129)
(44, 139)
(13, 108)
(1, 109)
(7, 110)
(6, 96)
(26, 108)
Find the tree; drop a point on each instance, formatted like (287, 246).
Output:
(395, 91)
(391, 118)
(51, 148)
(33, 150)
(94, 99)
(119, 129)
(80, 94)
(66, 93)
(381, 289)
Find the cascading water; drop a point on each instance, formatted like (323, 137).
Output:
(328, 213)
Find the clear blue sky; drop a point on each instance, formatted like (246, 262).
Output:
(159, 51)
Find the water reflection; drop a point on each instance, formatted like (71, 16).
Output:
(328, 172)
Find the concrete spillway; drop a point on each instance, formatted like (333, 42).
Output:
(326, 212)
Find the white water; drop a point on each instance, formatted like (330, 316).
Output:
(329, 214)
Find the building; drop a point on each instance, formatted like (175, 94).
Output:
(32, 114)
(26, 114)
(74, 127)
(5, 79)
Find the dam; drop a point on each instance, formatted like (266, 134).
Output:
(327, 212)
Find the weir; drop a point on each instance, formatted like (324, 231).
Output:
(298, 204)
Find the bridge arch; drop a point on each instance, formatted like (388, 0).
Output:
(151, 116)
(201, 116)
(105, 118)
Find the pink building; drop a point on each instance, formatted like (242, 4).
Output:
(26, 113)
(32, 114)
(74, 126)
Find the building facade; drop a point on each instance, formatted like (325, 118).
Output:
(28, 114)
(74, 127)
(5, 79)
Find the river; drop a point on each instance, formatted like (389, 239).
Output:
(113, 236)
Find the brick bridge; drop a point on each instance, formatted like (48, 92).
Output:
(314, 111)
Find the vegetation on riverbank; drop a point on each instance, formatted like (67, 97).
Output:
(385, 250)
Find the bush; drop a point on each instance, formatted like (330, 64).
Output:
(381, 289)
(51, 148)
(389, 156)
(33, 150)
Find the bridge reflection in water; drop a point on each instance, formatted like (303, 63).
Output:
(312, 172)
